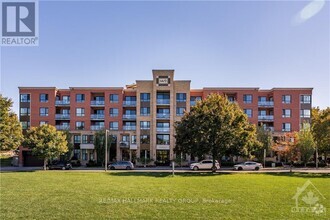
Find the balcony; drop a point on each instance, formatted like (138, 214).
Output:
(266, 118)
(163, 115)
(124, 144)
(129, 127)
(129, 103)
(145, 128)
(62, 102)
(97, 117)
(129, 117)
(268, 128)
(97, 103)
(97, 127)
(62, 117)
(63, 127)
(163, 130)
(163, 101)
(269, 104)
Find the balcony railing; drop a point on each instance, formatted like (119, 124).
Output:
(268, 128)
(144, 128)
(266, 104)
(124, 144)
(266, 117)
(97, 103)
(62, 102)
(163, 101)
(97, 116)
(163, 130)
(62, 117)
(129, 103)
(63, 127)
(97, 127)
(163, 115)
(129, 127)
(131, 117)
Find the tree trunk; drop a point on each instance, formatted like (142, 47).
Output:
(45, 164)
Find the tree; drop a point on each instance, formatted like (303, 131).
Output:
(68, 154)
(321, 129)
(265, 138)
(10, 128)
(305, 144)
(46, 142)
(287, 147)
(217, 127)
(99, 143)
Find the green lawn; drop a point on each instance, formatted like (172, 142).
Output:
(128, 195)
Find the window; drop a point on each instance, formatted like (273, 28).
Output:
(286, 113)
(145, 139)
(231, 98)
(286, 127)
(43, 123)
(181, 97)
(25, 124)
(76, 154)
(145, 97)
(194, 99)
(247, 99)
(114, 125)
(84, 154)
(25, 97)
(80, 125)
(87, 139)
(305, 113)
(262, 113)
(84, 139)
(114, 112)
(180, 111)
(262, 98)
(248, 112)
(25, 112)
(43, 111)
(145, 125)
(43, 97)
(133, 139)
(66, 98)
(77, 139)
(145, 111)
(80, 97)
(144, 154)
(114, 98)
(80, 112)
(286, 99)
(305, 99)
(163, 139)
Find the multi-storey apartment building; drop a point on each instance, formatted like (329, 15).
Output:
(141, 116)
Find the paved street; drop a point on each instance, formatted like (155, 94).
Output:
(169, 169)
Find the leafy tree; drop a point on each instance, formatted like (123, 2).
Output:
(10, 128)
(287, 147)
(68, 154)
(99, 143)
(305, 144)
(217, 127)
(46, 142)
(265, 139)
(321, 129)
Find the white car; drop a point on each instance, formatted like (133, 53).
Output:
(249, 165)
(204, 165)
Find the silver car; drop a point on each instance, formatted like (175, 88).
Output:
(204, 164)
(249, 165)
(121, 165)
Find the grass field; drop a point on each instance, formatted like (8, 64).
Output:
(128, 195)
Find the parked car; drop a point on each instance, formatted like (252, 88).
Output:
(249, 165)
(59, 165)
(204, 165)
(121, 165)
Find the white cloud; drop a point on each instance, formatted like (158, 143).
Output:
(310, 10)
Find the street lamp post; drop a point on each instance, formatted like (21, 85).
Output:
(106, 151)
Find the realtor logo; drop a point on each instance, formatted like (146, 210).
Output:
(309, 200)
(19, 22)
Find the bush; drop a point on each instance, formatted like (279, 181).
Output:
(92, 163)
(75, 163)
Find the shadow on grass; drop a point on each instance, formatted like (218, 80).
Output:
(301, 175)
(166, 174)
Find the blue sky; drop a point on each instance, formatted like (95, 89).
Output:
(222, 43)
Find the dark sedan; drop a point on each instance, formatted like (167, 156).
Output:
(59, 166)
